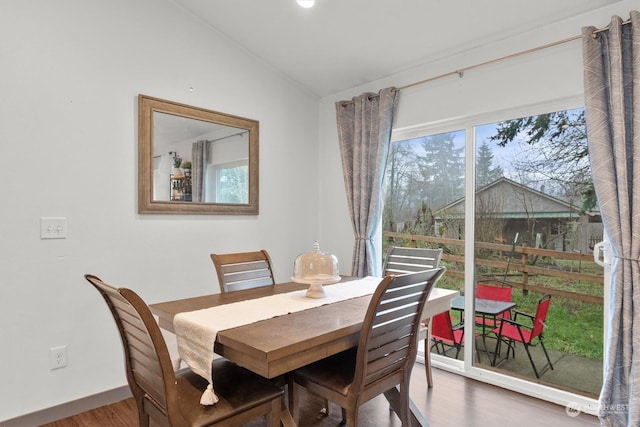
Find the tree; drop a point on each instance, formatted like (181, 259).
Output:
(485, 173)
(558, 151)
(401, 177)
(490, 221)
(441, 170)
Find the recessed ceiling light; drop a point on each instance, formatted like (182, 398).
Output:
(306, 3)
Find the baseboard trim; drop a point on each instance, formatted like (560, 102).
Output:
(68, 409)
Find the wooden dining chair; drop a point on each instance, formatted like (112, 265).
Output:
(172, 399)
(401, 260)
(243, 270)
(246, 270)
(385, 354)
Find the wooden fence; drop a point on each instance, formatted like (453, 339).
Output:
(518, 266)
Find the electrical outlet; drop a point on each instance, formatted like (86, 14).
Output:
(58, 357)
(53, 228)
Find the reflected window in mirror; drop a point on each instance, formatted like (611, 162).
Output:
(231, 182)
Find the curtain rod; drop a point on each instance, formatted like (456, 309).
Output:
(229, 136)
(461, 71)
(213, 140)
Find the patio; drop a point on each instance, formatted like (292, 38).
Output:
(572, 373)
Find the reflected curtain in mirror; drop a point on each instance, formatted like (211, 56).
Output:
(200, 156)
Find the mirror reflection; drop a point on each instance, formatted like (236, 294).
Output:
(196, 161)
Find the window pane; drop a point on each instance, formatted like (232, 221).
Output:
(424, 187)
(536, 222)
(232, 183)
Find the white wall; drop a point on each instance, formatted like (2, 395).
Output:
(70, 74)
(548, 75)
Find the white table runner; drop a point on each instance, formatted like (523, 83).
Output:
(196, 330)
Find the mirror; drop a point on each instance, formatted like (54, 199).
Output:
(195, 161)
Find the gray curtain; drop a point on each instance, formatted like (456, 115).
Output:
(612, 105)
(199, 154)
(364, 133)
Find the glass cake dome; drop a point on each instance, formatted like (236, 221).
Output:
(316, 268)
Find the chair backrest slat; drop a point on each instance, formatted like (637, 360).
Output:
(257, 267)
(244, 270)
(395, 345)
(390, 332)
(409, 260)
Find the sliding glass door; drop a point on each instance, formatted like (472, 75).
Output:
(534, 222)
(536, 225)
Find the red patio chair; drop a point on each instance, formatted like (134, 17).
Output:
(443, 333)
(496, 293)
(517, 331)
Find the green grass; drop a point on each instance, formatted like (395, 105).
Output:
(573, 327)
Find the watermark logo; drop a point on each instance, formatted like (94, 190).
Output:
(573, 409)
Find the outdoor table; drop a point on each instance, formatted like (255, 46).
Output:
(487, 309)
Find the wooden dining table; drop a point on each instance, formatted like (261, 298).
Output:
(281, 344)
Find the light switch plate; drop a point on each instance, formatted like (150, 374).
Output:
(53, 228)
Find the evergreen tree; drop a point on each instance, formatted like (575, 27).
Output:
(441, 169)
(485, 173)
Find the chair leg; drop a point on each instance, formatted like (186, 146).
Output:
(404, 404)
(273, 418)
(545, 352)
(351, 417)
(511, 348)
(290, 386)
(475, 342)
(324, 411)
(427, 363)
(143, 416)
(496, 351)
(533, 365)
(294, 401)
(143, 419)
(289, 383)
(435, 345)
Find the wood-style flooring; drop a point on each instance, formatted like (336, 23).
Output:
(453, 401)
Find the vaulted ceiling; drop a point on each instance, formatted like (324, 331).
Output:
(339, 44)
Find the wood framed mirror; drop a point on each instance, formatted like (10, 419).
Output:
(195, 161)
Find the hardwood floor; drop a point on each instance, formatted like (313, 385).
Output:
(453, 401)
